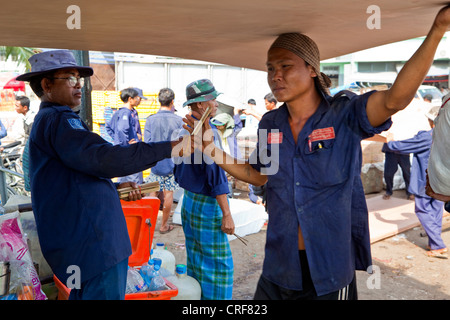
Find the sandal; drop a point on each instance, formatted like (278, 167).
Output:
(386, 197)
(168, 230)
(438, 253)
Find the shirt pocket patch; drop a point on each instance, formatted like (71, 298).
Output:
(324, 164)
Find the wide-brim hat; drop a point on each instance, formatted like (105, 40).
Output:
(217, 122)
(224, 119)
(53, 60)
(199, 91)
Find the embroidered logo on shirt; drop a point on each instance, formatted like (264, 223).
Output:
(322, 134)
(75, 124)
(275, 138)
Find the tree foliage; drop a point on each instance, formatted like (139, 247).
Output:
(18, 54)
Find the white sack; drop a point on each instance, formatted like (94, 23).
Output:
(439, 162)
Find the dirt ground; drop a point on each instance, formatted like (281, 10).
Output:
(402, 270)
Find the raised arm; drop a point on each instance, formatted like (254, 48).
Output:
(383, 104)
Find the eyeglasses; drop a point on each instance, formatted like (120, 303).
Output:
(73, 81)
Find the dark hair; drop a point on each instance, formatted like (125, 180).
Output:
(428, 97)
(35, 83)
(24, 101)
(166, 96)
(271, 98)
(251, 101)
(127, 93)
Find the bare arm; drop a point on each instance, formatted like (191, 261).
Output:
(238, 168)
(227, 219)
(383, 104)
(253, 113)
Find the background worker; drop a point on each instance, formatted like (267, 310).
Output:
(228, 128)
(164, 125)
(391, 163)
(429, 211)
(124, 126)
(269, 101)
(22, 131)
(22, 107)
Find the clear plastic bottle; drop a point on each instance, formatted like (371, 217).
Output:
(158, 282)
(167, 257)
(135, 283)
(152, 273)
(188, 287)
(145, 271)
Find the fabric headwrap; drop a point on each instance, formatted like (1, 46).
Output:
(305, 48)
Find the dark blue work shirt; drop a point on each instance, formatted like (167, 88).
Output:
(199, 174)
(78, 213)
(420, 146)
(316, 184)
(124, 126)
(163, 126)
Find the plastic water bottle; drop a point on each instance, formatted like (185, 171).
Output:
(145, 271)
(158, 282)
(135, 283)
(188, 287)
(167, 257)
(152, 272)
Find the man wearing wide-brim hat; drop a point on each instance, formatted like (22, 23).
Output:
(205, 212)
(78, 213)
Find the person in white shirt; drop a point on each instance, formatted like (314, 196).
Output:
(22, 107)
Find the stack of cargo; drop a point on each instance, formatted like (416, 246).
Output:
(105, 103)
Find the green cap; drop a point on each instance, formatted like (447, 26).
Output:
(199, 91)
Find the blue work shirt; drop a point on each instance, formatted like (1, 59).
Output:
(316, 185)
(77, 209)
(123, 126)
(420, 146)
(163, 126)
(199, 174)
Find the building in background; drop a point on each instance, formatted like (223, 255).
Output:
(382, 64)
(116, 71)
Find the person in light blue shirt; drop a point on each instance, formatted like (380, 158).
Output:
(309, 153)
(164, 126)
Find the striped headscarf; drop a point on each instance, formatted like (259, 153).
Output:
(305, 48)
